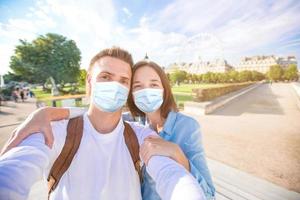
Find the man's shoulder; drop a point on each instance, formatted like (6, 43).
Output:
(59, 130)
(60, 125)
(141, 131)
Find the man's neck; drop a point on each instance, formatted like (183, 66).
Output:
(103, 122)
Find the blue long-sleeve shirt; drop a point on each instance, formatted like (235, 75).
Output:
(184, 131)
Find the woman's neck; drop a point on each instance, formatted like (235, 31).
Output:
(156, 120)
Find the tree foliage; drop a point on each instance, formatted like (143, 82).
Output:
(47, 56)
(178, 76)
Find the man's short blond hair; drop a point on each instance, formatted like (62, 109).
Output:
(115, 52)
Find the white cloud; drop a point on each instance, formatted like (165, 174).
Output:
(181, 30)
(240, 26)
(127, 12)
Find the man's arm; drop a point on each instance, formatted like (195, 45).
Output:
(22, 166)
(27, 163)
(172, 180)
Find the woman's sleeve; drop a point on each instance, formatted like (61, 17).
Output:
(196, 156)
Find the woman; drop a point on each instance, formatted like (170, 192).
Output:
(151, 97)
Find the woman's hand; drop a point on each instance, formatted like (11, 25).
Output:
(155, 145)
(38, 121)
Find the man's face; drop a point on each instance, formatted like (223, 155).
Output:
(108, 69)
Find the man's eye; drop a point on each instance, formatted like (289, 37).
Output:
(125, 82)
(104, 77)
(136, 86)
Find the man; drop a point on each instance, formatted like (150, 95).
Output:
(102, 167)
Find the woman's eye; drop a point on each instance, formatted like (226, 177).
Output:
(154, 85)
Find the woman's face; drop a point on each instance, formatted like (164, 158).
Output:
(146, 77)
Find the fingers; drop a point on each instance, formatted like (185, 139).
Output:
(147, 150)
(152, 137)
(7, 145)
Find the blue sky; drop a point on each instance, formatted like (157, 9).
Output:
(168, 31)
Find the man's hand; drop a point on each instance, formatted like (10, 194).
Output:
(38, 121)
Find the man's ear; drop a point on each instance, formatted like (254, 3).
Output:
(88, 84)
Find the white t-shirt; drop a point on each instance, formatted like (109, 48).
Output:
(102, 168)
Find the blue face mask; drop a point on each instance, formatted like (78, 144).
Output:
(109, 96)
(148, 100)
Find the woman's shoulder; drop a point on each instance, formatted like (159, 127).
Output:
(185, 120)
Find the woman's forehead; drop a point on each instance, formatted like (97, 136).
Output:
(146, 72)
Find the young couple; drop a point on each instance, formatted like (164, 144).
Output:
(100, 163)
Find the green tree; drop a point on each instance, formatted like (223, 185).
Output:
(47, 56)
(291, 73)
(12, 77)
(232, 76)
(275, 73)
(257, 76)
(82, 77)
(245, 76)
(178, 76)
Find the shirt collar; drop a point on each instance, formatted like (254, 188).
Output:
(170, 122)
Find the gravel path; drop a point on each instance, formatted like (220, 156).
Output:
(258, 133)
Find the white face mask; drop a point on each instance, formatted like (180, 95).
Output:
(109, 96)
(148, 100)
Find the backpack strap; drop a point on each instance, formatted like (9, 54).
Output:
(72, 143)
(63, 161)
(133, 146)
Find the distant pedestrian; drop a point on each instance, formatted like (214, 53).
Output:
(31, 94)
(22, 94)
(15, 95)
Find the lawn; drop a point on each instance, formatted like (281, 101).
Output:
(183, 92)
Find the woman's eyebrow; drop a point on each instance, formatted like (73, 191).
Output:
(154, 80)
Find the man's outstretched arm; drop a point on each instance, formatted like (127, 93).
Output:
(172, 180)
(22, 166)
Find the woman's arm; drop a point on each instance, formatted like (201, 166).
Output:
(194, 152)
(39, 121)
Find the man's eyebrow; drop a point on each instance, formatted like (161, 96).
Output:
(136, 82)
(124, 77)
(106, 72)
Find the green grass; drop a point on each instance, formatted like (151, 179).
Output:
(187, 88)
(183, 92)
(40, 94)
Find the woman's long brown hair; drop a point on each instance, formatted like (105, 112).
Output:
(168, 104)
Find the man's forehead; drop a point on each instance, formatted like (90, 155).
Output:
(113, 66)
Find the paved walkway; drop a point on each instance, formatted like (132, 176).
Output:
(12, 114)
(258, 133)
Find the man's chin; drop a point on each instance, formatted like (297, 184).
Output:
(105, 110)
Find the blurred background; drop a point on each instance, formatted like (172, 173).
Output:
(233, 66)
